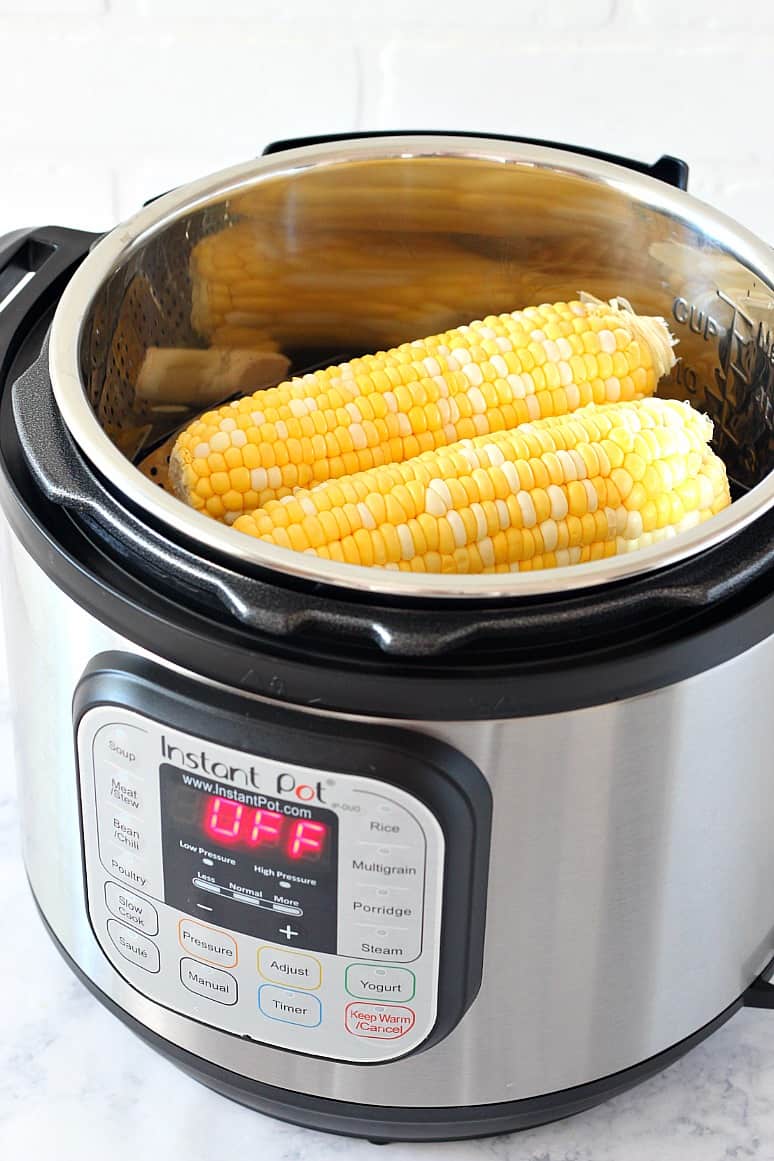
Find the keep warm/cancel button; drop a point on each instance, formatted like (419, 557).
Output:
(379, 1021)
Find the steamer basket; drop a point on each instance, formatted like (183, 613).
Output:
(361, 245)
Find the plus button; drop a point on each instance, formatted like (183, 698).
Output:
(288, 932)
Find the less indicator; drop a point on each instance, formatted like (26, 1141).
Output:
(235, 825)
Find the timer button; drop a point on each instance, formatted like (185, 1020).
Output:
(134, 947)
(210, 982)
(132, 909)
(379, 1021)
(207, 943)
(289, 967)
(289, 1007)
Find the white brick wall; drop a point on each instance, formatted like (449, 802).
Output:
(106, 102)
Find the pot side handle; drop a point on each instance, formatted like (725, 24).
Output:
(35, 265)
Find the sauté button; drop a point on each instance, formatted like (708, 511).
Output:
(379, 981)
(379, 1021)
(289, 967)
(208, 981)
(133, 946)
(132, 909)
(289, 1007)
(207, 943)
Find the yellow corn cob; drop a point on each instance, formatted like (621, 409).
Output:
(558, 491)
(387, 408)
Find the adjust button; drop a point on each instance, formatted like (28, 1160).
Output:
(210, 982)
(133, 946)
(379, 982)
(379, 1021)
(207, 943)
(289, 1007)
(132, 909)
(289, 967)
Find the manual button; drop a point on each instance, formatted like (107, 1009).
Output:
(210, 982)
(132, 909)
(134, 947)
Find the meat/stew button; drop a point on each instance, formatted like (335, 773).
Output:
(379, 1021)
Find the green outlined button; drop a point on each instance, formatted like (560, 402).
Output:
(379, 981)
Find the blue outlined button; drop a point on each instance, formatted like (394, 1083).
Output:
(289, 1007)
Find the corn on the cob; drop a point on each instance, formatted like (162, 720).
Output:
(387, 408)
(558, 491)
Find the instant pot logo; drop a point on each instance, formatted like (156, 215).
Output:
(202, 762)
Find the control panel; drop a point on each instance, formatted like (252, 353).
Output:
(296, 906)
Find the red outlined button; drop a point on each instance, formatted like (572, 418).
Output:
(379, 1021)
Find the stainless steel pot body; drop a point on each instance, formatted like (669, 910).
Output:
(629, 882)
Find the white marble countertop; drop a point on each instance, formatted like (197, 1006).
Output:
(76, 1084)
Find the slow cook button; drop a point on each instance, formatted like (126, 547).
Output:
(379, 1021)
(133, 946)
(207, 943)
(210, 982)
(371, 981)
(289, 1007)
(289, 967)
(132, 909)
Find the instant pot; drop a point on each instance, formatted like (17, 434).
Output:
(395, 855)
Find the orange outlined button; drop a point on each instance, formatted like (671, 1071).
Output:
(379, 1021)
(294, 969)
(207, 943)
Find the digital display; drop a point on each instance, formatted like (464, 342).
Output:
(248, 860)
(238, 826)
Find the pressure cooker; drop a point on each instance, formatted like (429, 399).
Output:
(526, 819)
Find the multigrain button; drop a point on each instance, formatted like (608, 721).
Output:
(289, 967)
(379, 1021)
(207, 943)
(136, 948)
(379, 982)
(207, 981)
(385, 864)
(288, 1006)
(132, 909)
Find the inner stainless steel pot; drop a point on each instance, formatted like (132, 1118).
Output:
(356, 246)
